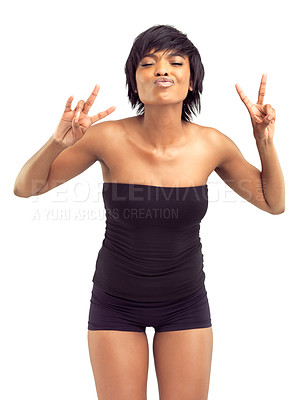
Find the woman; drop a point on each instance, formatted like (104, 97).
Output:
(149, 270)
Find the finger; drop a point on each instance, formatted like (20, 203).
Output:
(68, 104)
(244, 98)
(102, 114)
(75, 125)
(269, 119)
(79, 106)
(91, 99)
(267, 109)
(262, 89)
(78, 109)
(270, 112)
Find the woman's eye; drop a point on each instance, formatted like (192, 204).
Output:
(144, 65)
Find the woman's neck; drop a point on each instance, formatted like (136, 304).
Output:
(162, 126)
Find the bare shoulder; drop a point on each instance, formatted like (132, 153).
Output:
(103, 136)
(223, 147)
(213, 135)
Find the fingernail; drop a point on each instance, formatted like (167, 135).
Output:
(76, 120)
(269, 117)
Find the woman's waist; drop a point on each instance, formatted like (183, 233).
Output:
(154, 251)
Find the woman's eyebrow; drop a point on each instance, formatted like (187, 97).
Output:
(169, 55)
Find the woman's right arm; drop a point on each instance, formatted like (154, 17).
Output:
(68, 152)
(33, 175)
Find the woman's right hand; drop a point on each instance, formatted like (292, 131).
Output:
(74, 123)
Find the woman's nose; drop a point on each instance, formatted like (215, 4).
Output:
(160, 73)
(161, 68)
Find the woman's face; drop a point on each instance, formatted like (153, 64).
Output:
(159, 65)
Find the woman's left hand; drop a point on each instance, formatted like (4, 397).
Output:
(262, 115)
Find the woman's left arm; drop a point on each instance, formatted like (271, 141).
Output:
(263, 121)
(265, 189)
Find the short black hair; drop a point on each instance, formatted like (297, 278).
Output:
(166, 37)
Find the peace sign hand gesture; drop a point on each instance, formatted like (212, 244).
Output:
(74, 123)
(262, 115)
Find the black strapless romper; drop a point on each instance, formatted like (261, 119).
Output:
(149, 270)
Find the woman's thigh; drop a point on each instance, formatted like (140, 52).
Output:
(120, 362)
(183, 363)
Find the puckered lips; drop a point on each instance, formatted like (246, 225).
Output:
(164, 82)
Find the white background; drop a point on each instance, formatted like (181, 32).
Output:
(54, 50)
